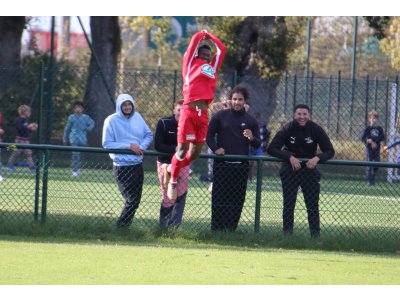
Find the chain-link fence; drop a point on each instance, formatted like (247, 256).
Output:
(347, 205)
(339, 105)
(348, 208)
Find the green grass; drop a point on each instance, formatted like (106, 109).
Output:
(352, 216)
(61, 261)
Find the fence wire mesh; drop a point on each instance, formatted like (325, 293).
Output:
(52, 194)
(347, 205)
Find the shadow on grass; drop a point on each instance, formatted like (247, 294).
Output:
(193, 234)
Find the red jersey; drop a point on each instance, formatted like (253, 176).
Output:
(200, 77)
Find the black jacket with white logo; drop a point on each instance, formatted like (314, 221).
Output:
(301, 142)
(165, 138)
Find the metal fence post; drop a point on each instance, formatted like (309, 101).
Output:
(376, 92)
(234, 78)
(329, 100)
(45, 183)
(175, 87)
(286, 94)
(366, 101)
(338, 103)
(258, 195)
(294, 89)
(312, 90)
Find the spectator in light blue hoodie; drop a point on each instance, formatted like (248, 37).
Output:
(75, 132)
(126, 129)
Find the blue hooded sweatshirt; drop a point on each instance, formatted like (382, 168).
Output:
(120, 132)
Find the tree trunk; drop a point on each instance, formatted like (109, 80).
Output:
(99, 96)
(11, 29)
(254, 40)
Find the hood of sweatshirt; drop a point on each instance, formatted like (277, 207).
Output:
(121, 99)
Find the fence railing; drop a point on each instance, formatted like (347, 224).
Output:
(348, 206)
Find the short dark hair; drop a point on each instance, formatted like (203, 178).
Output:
(178, 102)
(204, 46)
(240, 89)
(79, 103)
(301, 106)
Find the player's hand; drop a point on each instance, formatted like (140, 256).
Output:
(135, 148)
(32, 126)
(220, 151)
(248, 134)
(385, 149)
(312, 163)
(374, 145)
(1, 131)
(296, 164)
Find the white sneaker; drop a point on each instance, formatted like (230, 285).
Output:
(75, 174)
(210, 187)
(171, 192)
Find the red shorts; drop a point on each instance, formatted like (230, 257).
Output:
(192, 125)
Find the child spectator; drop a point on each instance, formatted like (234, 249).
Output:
(75, 132)
(24, 130)
(1, 139)
(372, 137)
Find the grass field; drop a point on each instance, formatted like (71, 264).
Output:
(78, 244)
(61, 261)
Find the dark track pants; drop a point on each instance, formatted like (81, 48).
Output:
(228, 194)
(308, 180)
(130, 184)
(172, 216)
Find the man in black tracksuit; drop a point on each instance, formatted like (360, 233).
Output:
(299, 139)
(231, 131)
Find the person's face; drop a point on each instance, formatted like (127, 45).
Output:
(302, 116)
(177, 111)
(205, 54)
(78, 109)
(238, 101)
(373, 120)
(126, 108)
(26, 113)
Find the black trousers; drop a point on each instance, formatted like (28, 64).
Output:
(228, 194)
(130, 184)
(172, 216)
(372, 171)
(308, 180)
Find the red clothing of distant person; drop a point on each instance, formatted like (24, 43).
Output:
(200, 77)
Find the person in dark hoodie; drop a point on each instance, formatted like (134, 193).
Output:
(300, 139)
(231, 131)
(126, 129)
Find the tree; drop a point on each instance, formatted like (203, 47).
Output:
(390, 45)
(150, 37)
(11, 29)
(99, 96)
(258, 49)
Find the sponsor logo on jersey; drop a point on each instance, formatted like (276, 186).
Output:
(293, 140)
(308, 140)
(190, 137)
(207, 70)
